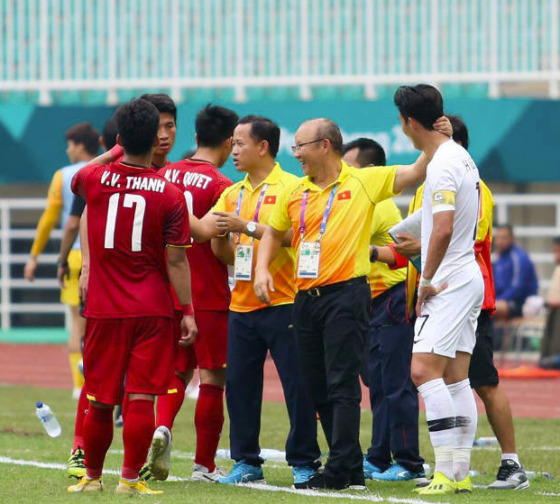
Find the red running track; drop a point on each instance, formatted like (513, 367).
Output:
(47, 366)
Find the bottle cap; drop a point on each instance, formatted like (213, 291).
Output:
(39, 404)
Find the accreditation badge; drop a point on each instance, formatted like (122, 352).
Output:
(309, 258)
(243, 267)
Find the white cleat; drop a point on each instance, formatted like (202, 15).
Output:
(159, 456)
(201, 473)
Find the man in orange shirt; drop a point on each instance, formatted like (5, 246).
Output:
(254, 327)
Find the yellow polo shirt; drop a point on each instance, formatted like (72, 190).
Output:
(345, 245)
(381, 277)
(243, 298)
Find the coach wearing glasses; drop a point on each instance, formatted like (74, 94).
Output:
(331, 211)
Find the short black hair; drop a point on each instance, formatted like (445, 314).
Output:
(164, 103)
(110, 133)
(460, 131)
(84, 133)
(508, 227)
(214, 125)
(137, 124)
(422, 102)
(369, 152)
(263, 129)
(329, 130)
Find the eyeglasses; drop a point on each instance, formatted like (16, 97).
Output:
(297, 147)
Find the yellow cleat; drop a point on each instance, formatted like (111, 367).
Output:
(137, 488)
(75, 466)
(464, 486)
(440, 485)
(87, 485)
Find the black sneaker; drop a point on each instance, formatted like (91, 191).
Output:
(321, 482)
(511, 476)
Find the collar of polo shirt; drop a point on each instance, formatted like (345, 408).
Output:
(309, 185)
(274, 177)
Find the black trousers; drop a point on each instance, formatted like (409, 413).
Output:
(251, 335)
(393, 396)
(330, 332)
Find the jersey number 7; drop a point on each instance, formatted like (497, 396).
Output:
(129, 201)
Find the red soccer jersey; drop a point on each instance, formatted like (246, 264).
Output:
(202, 184)
(133, 213)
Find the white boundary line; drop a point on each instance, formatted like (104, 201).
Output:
(266, 488)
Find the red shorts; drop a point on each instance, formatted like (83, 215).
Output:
(140, 349)
(210, 348)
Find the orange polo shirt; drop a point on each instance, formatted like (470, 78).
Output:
(243, 298)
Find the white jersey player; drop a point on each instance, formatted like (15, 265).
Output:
(450, 293)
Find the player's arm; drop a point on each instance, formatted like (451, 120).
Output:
(84, 245)
(269, 246)
(437, 247)
(222, 248)
(204, 229)
(69, 237)
(45, 226)
(180, 277)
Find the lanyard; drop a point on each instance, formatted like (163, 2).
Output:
(257, 209)
(326, 214)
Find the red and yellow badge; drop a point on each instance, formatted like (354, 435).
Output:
(344, 195)
(270, 200)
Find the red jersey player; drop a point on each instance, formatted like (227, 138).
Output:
(166, 134)
(129, 310)
(202, 184)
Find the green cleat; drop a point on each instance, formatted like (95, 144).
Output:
(75, 467)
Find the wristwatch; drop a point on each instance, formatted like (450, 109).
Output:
(373, 254)
(251, 227)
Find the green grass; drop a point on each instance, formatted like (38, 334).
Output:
(21, 437)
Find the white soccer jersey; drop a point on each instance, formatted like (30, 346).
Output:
(452, 183)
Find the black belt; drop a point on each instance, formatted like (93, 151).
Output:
(327, 289)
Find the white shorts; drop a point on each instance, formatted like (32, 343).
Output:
(448, 322)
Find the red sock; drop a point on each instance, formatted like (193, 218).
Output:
(208, 420)
(98, 434)
(83, 405)
(168, 405)
(138, 430)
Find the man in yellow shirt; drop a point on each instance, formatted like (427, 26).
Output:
(330, 211)
(388, 349)
(255, 327)
(83, 145)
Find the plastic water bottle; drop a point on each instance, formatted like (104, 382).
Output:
(486, 441)
(48, 420)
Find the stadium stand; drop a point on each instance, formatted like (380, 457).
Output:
(70, 51)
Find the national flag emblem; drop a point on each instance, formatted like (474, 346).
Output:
(270, 200)
(344, 195)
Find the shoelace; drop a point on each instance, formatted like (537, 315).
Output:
(505, 471)
(237, 468)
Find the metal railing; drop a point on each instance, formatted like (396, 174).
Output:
(112, 45)
(504, 202)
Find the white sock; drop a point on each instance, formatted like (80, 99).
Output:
(440, 414)
(465, 426)
(511, 456)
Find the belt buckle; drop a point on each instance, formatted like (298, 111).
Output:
(315, 292)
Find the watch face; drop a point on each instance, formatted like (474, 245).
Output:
(251, 227)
